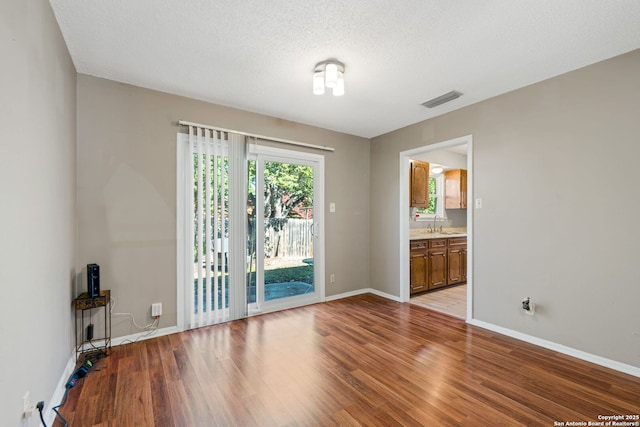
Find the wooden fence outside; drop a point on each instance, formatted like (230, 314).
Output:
(295, 240)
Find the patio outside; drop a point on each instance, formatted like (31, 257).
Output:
(282, 278)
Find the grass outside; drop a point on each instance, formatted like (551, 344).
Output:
(279, 283)
(290, 274)
(296, 273)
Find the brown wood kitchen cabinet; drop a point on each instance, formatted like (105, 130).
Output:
(419, 184)
(418, 266)
(455, 189)
(435, 263)
(437, 256)
(457, 260)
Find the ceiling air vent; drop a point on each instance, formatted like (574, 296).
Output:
(450, 96)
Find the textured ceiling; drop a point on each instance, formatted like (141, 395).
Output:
(259, 55)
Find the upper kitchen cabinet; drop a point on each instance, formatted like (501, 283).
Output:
(419, 184)
(455, 189)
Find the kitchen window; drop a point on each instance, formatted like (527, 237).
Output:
(436, 199)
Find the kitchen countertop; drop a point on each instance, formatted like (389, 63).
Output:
(420, 234)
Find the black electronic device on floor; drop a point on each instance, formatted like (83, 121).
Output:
(93, 280)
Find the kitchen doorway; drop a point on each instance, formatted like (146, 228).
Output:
(406, 218)
(451, 300)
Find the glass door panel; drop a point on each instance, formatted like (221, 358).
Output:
(282, 267)
(287, 228)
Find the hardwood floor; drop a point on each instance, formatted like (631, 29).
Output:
(363, 360)
(451, 301)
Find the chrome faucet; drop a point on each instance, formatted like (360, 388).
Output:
(435, 217)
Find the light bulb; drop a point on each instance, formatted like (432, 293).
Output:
(331, 75)
(339, 89)
(318, 83)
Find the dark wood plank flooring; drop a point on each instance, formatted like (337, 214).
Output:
(363, 360)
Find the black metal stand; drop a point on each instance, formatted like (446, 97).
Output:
(88, 348)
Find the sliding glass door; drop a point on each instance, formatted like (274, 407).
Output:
(250, 237)
(284, 229)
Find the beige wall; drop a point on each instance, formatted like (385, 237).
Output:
(553, 162)
(37, 214)
(127, 192)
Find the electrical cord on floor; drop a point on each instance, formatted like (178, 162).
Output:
(55, 408)
(80, 372)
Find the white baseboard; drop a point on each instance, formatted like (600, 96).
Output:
(346, 295)
(141, 336)
(360, 292)
(48, 414)
(58, 393)
(578, 354)
(384, 295)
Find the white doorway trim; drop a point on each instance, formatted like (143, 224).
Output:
(403, 232)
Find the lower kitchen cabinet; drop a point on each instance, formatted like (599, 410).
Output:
(435, 263)
(457, 260)
(419, 266)
(437, 256)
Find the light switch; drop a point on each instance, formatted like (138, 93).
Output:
(332, 207)
(478, 203)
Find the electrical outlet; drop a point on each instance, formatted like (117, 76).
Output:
(156, 309)
(532, 309)
(528, 307)
(28, 408)
(332, 278)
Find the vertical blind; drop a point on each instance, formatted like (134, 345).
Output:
(209, 301)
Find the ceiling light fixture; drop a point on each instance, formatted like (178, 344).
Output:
(329, 73)
(437, 170)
